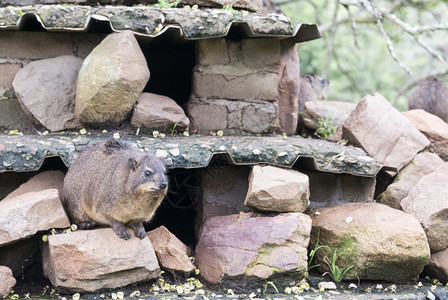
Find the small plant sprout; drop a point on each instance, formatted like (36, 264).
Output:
(166, 4)
(173, 130)
(313, 252)
(336, 272)
(269, 283)
(325, 126)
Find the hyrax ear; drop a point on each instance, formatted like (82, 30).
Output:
(132, 164)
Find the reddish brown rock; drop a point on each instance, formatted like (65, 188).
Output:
(383, 132)
(110, 80)
(46, 91)
(381, 243)
(42, 181)
(277, 190)
(334, 111)
(433, 127)
(288, 87)
(424, 163)
(92, 260)
(24, 215)
(157, 112)
(427, 202)
(7, 281)
(170, 251)
(438, 266)
(253, 247)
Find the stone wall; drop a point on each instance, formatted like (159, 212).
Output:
(235, 85)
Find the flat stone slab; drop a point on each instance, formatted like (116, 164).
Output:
(151, 21)
(26, 153)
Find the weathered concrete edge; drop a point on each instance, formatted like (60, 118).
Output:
(27, 153)
(153, 22)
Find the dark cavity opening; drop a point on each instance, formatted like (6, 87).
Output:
(170, 63)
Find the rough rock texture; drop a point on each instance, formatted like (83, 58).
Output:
(427, 202)
(438, 266)
(170, 251)
(252, 5)
(224, 189)
(20, 255)
(381, 243)
(434, 128)
(235, 85)
(238, 250)
(157, 112)
(277, 190)
(288, 87)
(26, 214)
(375, 117)
(39, 182)
(46, 91)
(339, 188)
(91, 260)
(7, 281)
(335, 111)
(110, 80)
(423, 164)
(432, 96)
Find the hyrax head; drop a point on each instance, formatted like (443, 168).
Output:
(147, 175)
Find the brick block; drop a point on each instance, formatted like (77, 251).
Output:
(261, 53)
(235, 83)
(7, 73)
(34, 45)
(212, 52)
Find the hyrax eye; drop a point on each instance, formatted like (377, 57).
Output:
(148, 173)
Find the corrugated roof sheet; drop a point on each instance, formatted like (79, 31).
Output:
(26, 153)
(188, 23)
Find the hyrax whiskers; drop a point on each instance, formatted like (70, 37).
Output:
(114, 184)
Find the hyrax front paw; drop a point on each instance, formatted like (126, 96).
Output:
(86, 225)
(121, 230)
(139, 230)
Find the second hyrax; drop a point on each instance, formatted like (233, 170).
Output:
(114, 184)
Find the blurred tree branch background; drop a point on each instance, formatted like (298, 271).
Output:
(368, 46)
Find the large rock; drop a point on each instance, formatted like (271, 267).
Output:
(239, 250)
(375, 117)
(432, 96)
(170, 251)
(157, 112)
(427, 202)
(91, 260)
(288, 87)
(434, 128)
(24, 215)
(39, 182)
(110, 80)
(335, 111)
(277, 190)
(424, 163)
(7, 281)
(438, 266)
(381, 243)
(46, 91)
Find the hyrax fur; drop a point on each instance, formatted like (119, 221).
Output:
(431, 95)
(114, 184)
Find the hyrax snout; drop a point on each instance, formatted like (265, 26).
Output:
(114, 184)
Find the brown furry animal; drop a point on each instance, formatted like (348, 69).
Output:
(431, 95)
(114, 184)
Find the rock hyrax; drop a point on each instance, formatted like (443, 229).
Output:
(114, 184)
(431, 95)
